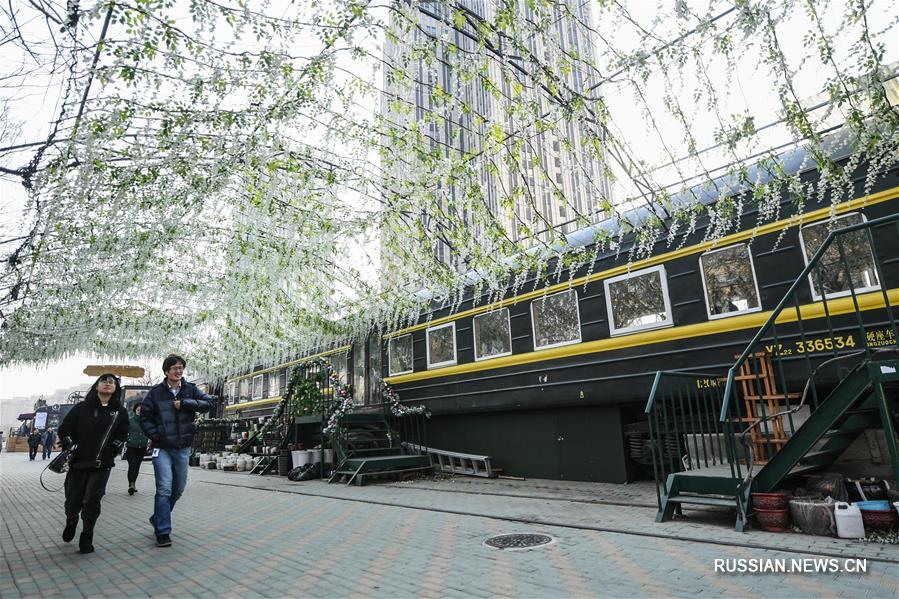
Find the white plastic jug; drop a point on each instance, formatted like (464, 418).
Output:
(849, 521)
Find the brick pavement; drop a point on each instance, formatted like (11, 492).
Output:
(248, 536)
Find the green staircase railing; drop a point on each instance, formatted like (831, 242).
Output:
(692, 461)
(382, 442)
(833, 335)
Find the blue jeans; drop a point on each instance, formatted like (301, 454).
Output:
(170, 468)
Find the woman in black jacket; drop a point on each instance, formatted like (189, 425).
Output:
(98, 426)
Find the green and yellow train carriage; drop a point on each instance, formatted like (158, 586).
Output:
(547, 381)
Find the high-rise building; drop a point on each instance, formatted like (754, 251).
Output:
(547, 172)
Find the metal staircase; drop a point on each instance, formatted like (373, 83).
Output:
(367, 447)
(714, 444)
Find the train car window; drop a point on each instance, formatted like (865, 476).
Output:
(399, 355)
(638, 301)
(555, 320)
(374, 368)
(492, 335)
(244, 389)
(339, 365)
(274, 383)
(358, 372)
(441, 345)
(832, 271)
(257, 386)
(728, 279)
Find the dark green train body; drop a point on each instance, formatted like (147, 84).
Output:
(565, 412)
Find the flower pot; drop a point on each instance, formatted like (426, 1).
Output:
(773, 520)
(770, 501)
(301, 458)
(877, 515)
(814, 516)
(284, 463)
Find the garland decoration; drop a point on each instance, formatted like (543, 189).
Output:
(268, 170)
(344, 405)
(391, 397)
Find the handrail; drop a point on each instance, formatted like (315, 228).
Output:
(800, 280)
(650, 403)
(678, 408)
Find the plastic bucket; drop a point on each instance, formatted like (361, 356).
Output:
(303, 457)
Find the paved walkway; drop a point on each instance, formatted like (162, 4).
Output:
(249, 536)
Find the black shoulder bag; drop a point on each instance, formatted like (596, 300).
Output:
(60, 463)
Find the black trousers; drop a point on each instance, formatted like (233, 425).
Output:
(32, 451)
(134, 455)
(84, 490)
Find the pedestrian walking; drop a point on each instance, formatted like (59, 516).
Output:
(167, 417)
(2, 441)
(98, 428)
(137, 448)
(34, 439)
(49, 441)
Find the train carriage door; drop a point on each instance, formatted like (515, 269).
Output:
(589, 444)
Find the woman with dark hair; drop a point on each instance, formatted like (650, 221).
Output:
(137, 447)
(98, 427)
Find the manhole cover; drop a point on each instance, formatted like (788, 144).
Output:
(518, 541)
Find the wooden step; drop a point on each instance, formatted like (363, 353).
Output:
(372, 452)
(704, 500)
(842, 432)
(860, 411)
(820, 458)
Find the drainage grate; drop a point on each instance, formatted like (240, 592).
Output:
(518, 541)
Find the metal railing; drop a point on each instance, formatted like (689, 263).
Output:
(408, 431)
(685, 431)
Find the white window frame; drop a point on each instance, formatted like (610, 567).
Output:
(577, 313)
(274, 375)
(232, 392)
(346, 365)
(705, 291)
(253, 395)
(428, 346)
(811, 276)
(668, 322)
(390, 370)
(474, 330)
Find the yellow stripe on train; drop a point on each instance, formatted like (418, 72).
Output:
(835, 307)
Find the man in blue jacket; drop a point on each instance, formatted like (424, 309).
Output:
(167, 416)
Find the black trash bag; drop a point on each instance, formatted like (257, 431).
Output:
(814, 516)
(827, 485)
(305, 472)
